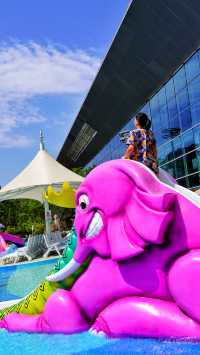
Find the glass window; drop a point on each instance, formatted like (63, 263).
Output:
(183, 182)
(175, 123)
(129, 125)
(170, 168)
(195, 114)
(160, 139)
(161, 155)
(196, 132)
(168, 152)
(178, 146)
(184, 109)
(198, 158)
(194, 95)
(185, 119)
(169, 87)
(116, 141)
(180, 80)
(192, 162)
(192, 67)
(156, 122)
(172, 107)
(182, 100)
(194, 180)
(164, 117)
(154, 104)
(194, 90)
(162, 97)
(188, 141)
(146, 109)
(180, 167)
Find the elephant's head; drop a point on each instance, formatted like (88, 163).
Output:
(121, 207)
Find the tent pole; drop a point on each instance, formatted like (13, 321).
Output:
(47, 218)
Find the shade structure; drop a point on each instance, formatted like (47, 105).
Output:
(41, 172)
(63, 198)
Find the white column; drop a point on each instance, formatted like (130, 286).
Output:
(47, 218)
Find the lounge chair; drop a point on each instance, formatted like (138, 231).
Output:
(54, 242)
(34, 248)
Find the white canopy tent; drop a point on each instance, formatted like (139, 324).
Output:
(41, 172)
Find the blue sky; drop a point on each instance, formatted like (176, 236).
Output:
(49, 55)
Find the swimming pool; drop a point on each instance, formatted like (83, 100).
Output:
(87, 344)
(16, 281)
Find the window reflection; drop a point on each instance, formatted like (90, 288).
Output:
(192, 67)
(196, 132)
(183, 182)
(194, 180)
(169, 87)
(178, 147)
(180, 80)
(172, 107)
(164, 117)
(170, 168)
(182, 100)
(167, 152)
(180, 166)
(161, 155)
(192, 162)
(188, 141)
(194, 95)
(162, 97)
(185, 119)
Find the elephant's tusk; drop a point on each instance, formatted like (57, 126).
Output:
(71, 267)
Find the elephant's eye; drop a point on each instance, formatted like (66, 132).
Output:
(83, 202)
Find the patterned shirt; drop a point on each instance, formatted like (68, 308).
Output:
(144, 147)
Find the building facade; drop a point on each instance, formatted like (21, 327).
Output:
(175, 114)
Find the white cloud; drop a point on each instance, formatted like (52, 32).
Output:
(30, 70)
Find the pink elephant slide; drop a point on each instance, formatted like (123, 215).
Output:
(143, 279)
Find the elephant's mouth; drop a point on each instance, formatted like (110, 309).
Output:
(95, 226)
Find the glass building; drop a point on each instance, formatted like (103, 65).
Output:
(175, 114)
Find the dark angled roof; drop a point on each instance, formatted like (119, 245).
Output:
(154, 39)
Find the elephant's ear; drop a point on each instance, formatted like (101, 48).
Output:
(147, 215)
(150, 215)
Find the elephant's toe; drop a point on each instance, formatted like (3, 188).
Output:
(97, 333)
(100, 327)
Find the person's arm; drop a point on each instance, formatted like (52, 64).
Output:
(129, 152)
(130, 143)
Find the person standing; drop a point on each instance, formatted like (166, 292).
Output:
(142, 143)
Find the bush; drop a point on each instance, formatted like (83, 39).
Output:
(39, 228)
(19, 215)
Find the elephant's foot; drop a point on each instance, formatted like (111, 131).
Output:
(61, 315)
(145, 317)
(184, 283)
(15, 322)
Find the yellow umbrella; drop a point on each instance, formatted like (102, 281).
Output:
(64, 198)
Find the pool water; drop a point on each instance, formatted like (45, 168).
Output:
(87, 344)
(16, 281)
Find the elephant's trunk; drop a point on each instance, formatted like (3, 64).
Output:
(71, 267)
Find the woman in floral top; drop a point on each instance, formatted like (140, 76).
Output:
(142, 144)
